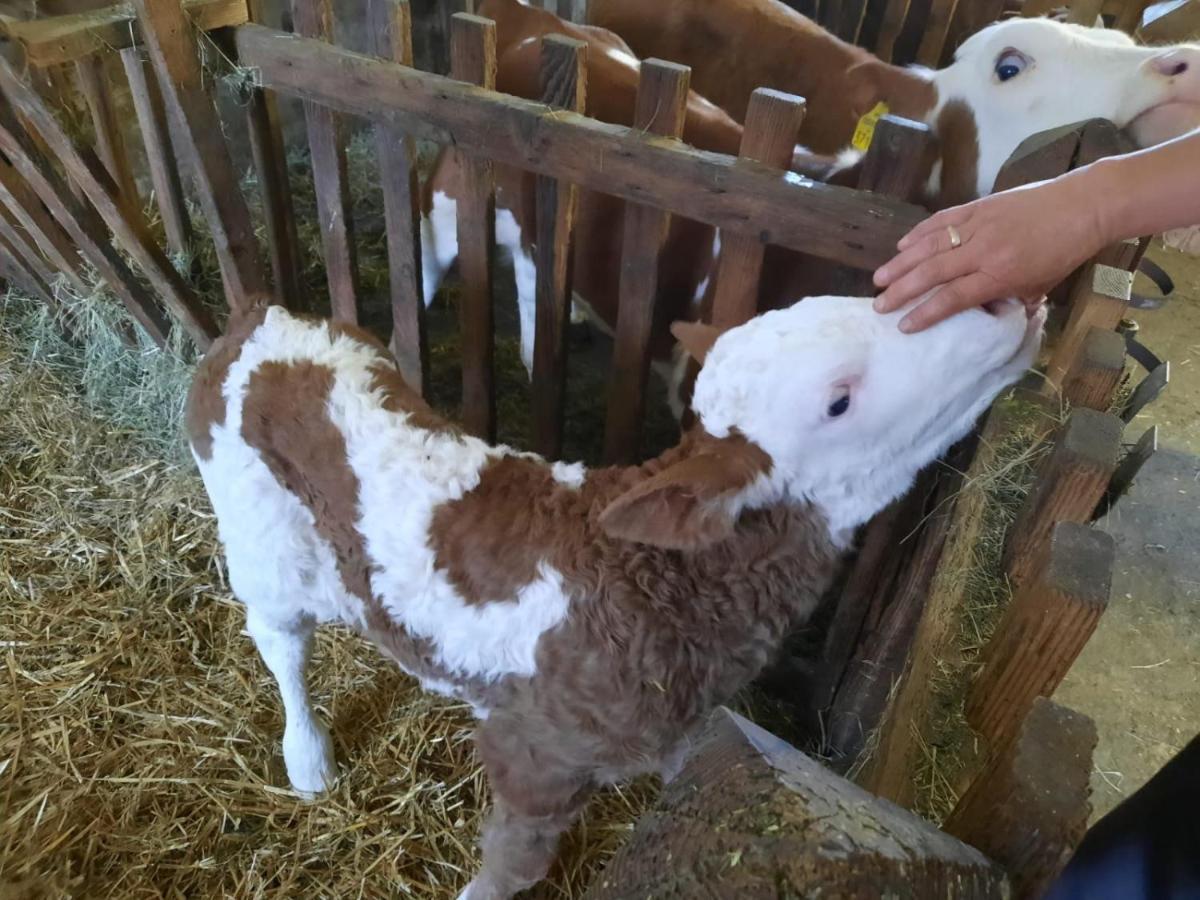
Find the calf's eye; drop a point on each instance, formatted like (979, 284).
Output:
(839, 406)
(1010, 64)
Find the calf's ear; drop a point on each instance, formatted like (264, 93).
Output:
(696, 338)
(907, 92)
(688, 505)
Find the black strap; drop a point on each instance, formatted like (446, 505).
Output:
(1161, 280)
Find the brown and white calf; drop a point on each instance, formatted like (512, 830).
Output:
(591, 617)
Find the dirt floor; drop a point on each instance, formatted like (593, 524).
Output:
(1139, 676)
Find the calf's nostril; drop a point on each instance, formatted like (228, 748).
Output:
(1178, 69)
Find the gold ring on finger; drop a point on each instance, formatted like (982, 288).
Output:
(955, 237)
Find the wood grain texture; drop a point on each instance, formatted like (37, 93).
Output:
(830, 222)
(937, 29)
(36, 220)
(1099, 300)
(327, 151)
(94, 84)
(473, 60)
(773, 120)
(1044, 629)
(94, 181)
(391, 31)
(160, 154)
(660, 110)
(1093, 379)
(564, 86)
(751, 816)
(1028, 810)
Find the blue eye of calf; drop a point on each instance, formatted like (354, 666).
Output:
(1008, 71)
(839, 406)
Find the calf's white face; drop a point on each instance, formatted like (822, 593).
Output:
(848, 408)
(1024, 76)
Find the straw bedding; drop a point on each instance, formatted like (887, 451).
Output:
(139, 732)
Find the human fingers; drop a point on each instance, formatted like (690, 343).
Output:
(956, 216)
(924, 274)
(961, 294)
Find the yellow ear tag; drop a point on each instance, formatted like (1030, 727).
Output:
(865, 131)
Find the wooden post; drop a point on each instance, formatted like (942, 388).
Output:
(1044, 629)
(448, 9)
(751, 816)
(894, 16)
(564, 83)
(97, 90)
(391, 30)
(314, 19)
(661, 109)
(1028, 810)
(1129, 19)
(773, 120)
(937, 28)
(1092, 381)
(175, 293)
(1099, 300)
(473, 60)
(1070, 483)
(1084, 12)
(34, 218)
(160, 155)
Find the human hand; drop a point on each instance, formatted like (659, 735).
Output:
(1017, 243)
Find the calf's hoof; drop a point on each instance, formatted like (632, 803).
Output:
(308, 754)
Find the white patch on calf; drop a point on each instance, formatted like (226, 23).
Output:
(508, 237)
(439, 243)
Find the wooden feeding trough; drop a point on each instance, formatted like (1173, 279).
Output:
(749, 813)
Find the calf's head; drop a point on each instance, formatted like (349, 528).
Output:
(841, 408)
(1020, 77)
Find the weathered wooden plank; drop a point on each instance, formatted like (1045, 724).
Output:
(1099, 300)
(751, 816)
(822, 220)
(93, 83)
(1070, 482)
(32, 216)
(391, 29)
(84, 229)
(564, 86)
(890, 28)
(176, 57)
(1093, 380)
(176, 295)
(1029, 808)
(24, 250)
(660, 110)
(160, 155)
(64, 39)
(18, 268)
(473, 60)
(1052, 614)
(773, 120)
(1039, 157)
(937, 29)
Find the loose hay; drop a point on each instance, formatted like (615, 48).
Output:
(139, 731)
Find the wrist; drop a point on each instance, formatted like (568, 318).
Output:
(1102, 201)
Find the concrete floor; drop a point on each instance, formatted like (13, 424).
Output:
(1139, 676)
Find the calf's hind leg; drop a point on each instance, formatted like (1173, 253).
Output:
(307, 750)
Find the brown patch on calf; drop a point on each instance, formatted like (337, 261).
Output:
(206, 398)
(958, 137)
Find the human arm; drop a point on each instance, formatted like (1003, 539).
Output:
(1024, 241)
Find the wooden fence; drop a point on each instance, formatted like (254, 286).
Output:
(63, 205)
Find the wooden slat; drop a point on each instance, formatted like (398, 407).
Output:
(331, 183)
(660, 110)
(564, 86)
(160, 155)
(174, 292)
(1029, 808)
(176, 57)
(1084, 12)
(822, 220)
(1099, 300)
(773, 120)
(18, 268)
(1092, 381)
(1070, 482)
(1175, 24)
(84, 228)
(473, 60)
(25, 251)
(35, 219)
(391, 30)
(94, 84)
(890, 29)
(1044, 629)
(937, 28)
(1129, 19)
(64, 39)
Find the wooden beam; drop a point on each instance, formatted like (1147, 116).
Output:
(64, 39)
(391, 31)
(176, 57)
(773, 120)
(473, 60)
(1070, 482)
(1043, 630)
(751, 816)
(1092, 381)
(331, 180)
(1099, 300)
(32, 216)
(894, 16)
(564, 86)
(937, 29)
(788, 210)
(1084, 12)
(660, 110)
(1028, 810)
(24, 250)
(1173, 25)
(175, 293)
(97, 90)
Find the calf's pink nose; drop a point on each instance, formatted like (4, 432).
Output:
(1180, 62)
